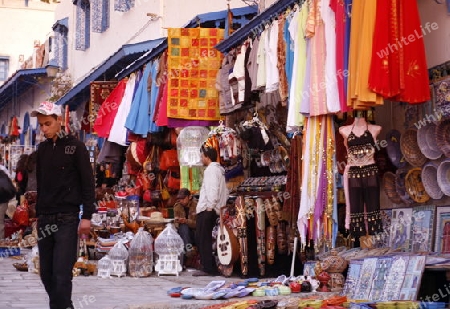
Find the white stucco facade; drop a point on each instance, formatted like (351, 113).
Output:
(21, 27)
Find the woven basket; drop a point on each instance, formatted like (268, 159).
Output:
(400, 176)
(426, 139)
(410, 148)
(443, 177)
(389, 188)
(443, 137)
(414, 185)
(429, 179)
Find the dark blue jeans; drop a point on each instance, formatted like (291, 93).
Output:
(58, 243)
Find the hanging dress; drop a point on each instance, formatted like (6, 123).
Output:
(332, 94)
(281, 62)
(137, 120)
(359, 96)
(399, 68)
(118, 132)
(338, 6)
(318, 96)
(271, 50)
(297, 33)
(154, 92)
(108, 111)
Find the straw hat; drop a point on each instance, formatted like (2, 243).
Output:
(389, 188)
(400, 187)
(414, 185)
(443, 137)
(426, 138)
(429, 179)
(443, 176)
(410, 148)
(393, 148)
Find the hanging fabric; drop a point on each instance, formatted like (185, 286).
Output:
(108, 110)
(137, 120)
(118, 132)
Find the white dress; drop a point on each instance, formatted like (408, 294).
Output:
(272, 74)
(118, 132)
(261, 61)
(239, 72)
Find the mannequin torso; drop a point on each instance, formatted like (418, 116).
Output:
(360, 130)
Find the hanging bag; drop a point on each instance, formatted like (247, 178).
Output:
(172, 180)
(169, 160)
(7, 188)
(151, 164)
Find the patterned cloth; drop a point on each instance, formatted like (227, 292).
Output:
(99, 92)
(193, 64)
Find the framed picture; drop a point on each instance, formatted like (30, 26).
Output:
(379, 280)
(442, 238)
(354, 269)
(422, 225)
(365, 278)
(400, 235)
(386, 221)
(395, 278)
(308, 269)
(413, 277)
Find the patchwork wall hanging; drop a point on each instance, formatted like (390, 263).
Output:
(193, 63)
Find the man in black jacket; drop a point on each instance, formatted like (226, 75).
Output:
(65, 184)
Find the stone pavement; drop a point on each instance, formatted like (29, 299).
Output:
(25, 291)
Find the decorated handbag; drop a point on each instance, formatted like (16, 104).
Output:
(169, 160)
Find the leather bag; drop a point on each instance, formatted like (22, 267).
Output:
(169, 160)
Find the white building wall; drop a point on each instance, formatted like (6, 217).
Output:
(21, 26)
(26, 102)
(437, 42)
(131, 27)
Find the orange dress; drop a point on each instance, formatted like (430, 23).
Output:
(359, 96)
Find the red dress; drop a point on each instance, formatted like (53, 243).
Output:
(399, 68)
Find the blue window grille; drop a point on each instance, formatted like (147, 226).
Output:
(4, 68)
(59, 44)
(100, 15)
(123, 5)
(82, 35)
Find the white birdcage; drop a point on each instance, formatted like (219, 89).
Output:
(104, 267)
(140, 262)
(189, 142)
(168, 246)
(118, 256)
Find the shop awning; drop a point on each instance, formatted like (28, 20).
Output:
(107, 71)
(251, 28)
(241, 16)
(19, 83)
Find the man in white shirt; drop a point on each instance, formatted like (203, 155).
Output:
(213, 196)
